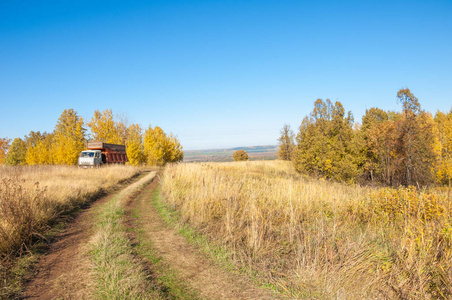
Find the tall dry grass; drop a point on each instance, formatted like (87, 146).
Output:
(32, 197)
(318, 239)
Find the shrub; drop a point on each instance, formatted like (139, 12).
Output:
(240, 155)
(16, 154)
(22, 211)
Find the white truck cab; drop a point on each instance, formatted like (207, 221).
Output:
(90, 159)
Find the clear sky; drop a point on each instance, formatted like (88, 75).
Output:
(218, 73)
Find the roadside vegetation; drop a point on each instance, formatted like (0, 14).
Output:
(315, 238)
(38, 184)
(409, 148)
(151, 146)
(32, 199)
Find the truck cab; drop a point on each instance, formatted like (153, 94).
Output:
(90, 159)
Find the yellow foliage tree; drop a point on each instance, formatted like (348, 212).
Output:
(444, 128)
(154, 146)
(104, 127)
(160, 149)
(134, 145)
(46, 149)
(173, 150)
(121, 124)
(69, 138)
(240, 155)
(4, 145)
(33, 141)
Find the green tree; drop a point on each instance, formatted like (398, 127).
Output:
(17, 153)
(286, 143)
(326, 143)
(240, 155)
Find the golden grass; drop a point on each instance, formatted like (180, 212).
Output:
(316, 238)
(31, 197)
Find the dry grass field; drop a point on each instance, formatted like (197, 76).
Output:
(32, 197)
(315, 238)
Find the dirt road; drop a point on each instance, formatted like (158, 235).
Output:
(192, 267)
(64, 273)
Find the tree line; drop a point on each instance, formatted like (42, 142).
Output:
(410, 147)
(151, 146)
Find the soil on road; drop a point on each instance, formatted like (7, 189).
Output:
(192, 267)
(64, 272)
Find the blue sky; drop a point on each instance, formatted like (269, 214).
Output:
(218, 73)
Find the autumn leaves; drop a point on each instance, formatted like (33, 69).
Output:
(153, 147)
(64, 144)
(394, 148)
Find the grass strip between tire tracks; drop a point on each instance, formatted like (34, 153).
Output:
(164, 277)
(118, 273)
(125, 269)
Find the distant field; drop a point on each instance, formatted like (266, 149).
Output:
(223, 155)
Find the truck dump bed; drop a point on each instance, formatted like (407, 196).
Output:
(113, 153)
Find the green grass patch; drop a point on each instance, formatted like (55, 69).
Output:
(116, 272)
(14, 272)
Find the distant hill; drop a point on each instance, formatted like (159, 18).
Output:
(254, 152)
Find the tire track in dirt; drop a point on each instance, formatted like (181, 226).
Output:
(192, 267)
(64, 271)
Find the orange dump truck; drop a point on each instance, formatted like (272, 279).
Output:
(99, 153)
